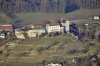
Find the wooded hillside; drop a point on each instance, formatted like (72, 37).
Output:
(48, 6)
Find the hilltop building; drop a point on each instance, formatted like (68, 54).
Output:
(66, 24)
(63, 26)
(50, 28)
(7, 27)
(37, 31)
(6, 30)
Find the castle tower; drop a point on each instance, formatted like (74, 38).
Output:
(66, 26)
(47, 28)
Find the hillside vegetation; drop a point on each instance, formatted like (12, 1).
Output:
(53, 49)
(48, 6)
(4, 18)
(75, 14)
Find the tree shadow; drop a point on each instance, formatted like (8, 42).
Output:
(71, 8)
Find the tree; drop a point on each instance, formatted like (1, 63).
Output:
(58, 6)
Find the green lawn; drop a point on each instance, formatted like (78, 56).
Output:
(4, 19)
(82, 12)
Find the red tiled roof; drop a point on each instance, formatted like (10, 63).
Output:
(6, 27)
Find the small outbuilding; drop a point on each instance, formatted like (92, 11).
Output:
(96, 17)
(54, 64)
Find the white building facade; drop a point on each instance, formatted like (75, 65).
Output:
(19, 34)
(58, 28)
(96, 17)
(54, 64)
(55, 28)
(66, 26)
(34, 32)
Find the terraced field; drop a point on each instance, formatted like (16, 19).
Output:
(37, 50)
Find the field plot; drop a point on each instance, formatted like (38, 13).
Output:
(48, 48)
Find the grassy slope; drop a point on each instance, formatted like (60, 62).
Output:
(35, 43)
(78, 13)
(67, 42)
(3, 18)
(37, 16)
